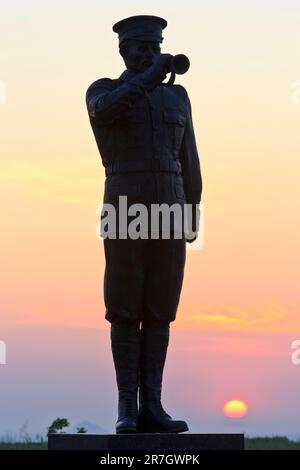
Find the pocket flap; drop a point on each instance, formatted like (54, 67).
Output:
(174, 117)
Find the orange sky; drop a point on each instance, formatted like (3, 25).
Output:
(246, 275)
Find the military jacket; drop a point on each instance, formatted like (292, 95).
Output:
(146, 140)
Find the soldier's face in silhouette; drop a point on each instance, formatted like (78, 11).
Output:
(141, 54)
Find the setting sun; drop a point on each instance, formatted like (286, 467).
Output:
(235, 409)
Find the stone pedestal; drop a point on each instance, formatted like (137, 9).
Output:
(146, 442)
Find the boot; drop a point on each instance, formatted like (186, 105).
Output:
(125, 345)
(151, 416)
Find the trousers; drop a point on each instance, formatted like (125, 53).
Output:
(143, 279)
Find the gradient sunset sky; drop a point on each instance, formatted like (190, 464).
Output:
(244, 62)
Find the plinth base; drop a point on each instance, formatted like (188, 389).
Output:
(146, 442)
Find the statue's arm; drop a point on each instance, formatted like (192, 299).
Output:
(191, 170)
(106, 102)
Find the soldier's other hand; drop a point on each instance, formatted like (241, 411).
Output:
(191, 240)
(160, 67)
(193, 223)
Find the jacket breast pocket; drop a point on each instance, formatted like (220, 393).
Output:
(174, 122)
(133, 127)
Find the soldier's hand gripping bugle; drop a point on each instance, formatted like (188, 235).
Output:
(106, 100)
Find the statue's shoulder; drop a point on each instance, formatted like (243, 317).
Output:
(176, 92)
(180, 89)
(176, 89)
(106, 83)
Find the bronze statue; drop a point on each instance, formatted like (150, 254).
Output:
(144, 132)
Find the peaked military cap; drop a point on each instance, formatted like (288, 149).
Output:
(141, 27)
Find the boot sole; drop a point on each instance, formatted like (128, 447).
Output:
(148, 426)
(152, 430)
(126, 431)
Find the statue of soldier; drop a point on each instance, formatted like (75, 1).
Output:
(144, 132)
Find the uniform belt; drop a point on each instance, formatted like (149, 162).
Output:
(144, 165)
